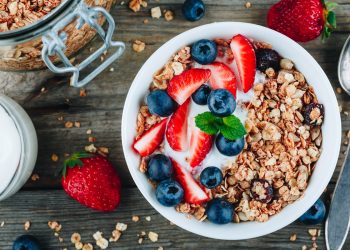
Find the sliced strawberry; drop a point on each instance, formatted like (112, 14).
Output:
(151, 139)
(182, 86)
(194, 194)
(200, 145)
(222, 77)
(176, 132)
(245, 59)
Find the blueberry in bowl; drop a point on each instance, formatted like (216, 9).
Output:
(200, 96)
(211, 177)
(204, 51)
(26, 242)
(221, 102)
(169, 193)
(160, 103)
(229, 147)
(193, 10)
(316, 214)
(159, 168)
(219, 211)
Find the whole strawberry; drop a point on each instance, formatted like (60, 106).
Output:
(92, 181)
(302, 20)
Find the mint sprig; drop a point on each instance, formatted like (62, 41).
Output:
(230, 127)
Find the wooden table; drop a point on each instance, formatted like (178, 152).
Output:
(43, 200)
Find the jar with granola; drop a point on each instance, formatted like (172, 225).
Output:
(36, 33)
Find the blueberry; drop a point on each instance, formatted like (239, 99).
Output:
(159, 168)
(204, 51)
(26, 242)
(219, 211)
(169, 193)
(193, 10)
(221, 102)
(229, 147)
(201, 95)
(160, 103)
(313, 114)
(316, 214)
(261, 190)
(211, 177)
(267, 58)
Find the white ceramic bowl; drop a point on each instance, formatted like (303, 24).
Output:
(314, 75)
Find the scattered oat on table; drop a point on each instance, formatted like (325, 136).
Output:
(89, 132)
(293, 237)
(135, 218)
(153, 236)
(148, 218)
(156, 12)
(169, 15)
(54, 157)
(35, 177)
(91, 148)
(146, 21)
(135, 5)
(75, 238)
(77, 124)
(27, 225)
(88, 246)
(339, 90)
(248, 5)
(68, 124)
(121, 226)
(138, 46)
(2, 224)
(100, 241)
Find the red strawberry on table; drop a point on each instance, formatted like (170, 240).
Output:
(151, 139)
(302, 20)
(222, 77)
(182, 86)
(244, 55)
(176, 132)
(92, 181)
(194, 194)
(200, 145)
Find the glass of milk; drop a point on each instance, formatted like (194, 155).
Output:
(18, 147)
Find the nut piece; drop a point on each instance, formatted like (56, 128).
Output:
(138, 46)
(153, 236)
(156, 12)
(75, 238)
(88, 246)
(169, 15)
(286, 64)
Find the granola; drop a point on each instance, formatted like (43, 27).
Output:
(283, 123)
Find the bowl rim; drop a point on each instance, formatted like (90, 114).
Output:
(270, 228)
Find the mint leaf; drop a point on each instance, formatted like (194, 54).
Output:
(208, 123)
(232, 128)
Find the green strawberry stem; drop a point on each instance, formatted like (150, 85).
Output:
(74, 160)
(330, 19)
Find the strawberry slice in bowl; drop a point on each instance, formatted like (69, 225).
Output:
(182, 86)
(200, 145)
(151, 139)
(194, 194)
(244, 54)
(222, 77)
(176, 132)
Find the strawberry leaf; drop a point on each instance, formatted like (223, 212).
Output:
(331, 19)
(330, 6)
(73, 161)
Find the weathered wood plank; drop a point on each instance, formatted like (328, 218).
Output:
(41, 206)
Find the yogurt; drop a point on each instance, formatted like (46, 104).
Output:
(214, 158)
(10, 149)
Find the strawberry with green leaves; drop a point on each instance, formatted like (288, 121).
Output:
(303, 20)
(92, 181)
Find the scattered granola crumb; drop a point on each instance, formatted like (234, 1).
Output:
(156, 12)
(43, 89)
(100, 241)
(54, 225)
(91, 139)
(91, 148)
(339, 90)
(104, 151)
(89, 132)
(140, 240)
(60, 239)
(340, 108)
(88, 246)
(82, 93)
(75, 238)
(293, 237)
(169, 15)
(115, 236)
(304, 247)
(138, 46)
(346, 113)
(312, 231)
(68, 124)
(77, 124)
(135, 218)
(111, 70)
(248, 5)
(60, 118)
(153, 236)
(35, 177)
(54, 157)
(348, 134)
(318, 232)
(121, 227)
(148, 218)
(346, 142)
(27, 225)
(145, 21)
(2, 224)
(160, 248)
(78, 245)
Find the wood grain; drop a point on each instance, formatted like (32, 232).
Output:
(101, 111)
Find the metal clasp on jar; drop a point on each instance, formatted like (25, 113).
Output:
(54, 43)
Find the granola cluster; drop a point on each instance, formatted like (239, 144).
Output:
(283, 141)
(15, 14)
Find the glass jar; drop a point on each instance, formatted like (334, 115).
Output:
(57, 36)
(18, 147)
